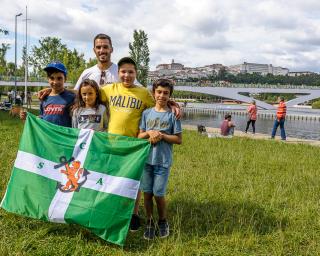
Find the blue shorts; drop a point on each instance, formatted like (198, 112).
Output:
(154, 179)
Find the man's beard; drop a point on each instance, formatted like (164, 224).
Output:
(104, 58)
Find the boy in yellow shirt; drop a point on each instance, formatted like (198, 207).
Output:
(126, 102)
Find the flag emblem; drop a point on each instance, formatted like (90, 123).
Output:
(75, 175)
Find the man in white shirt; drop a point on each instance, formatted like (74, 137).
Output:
(105, 71)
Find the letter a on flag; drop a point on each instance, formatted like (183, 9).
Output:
(77, 176)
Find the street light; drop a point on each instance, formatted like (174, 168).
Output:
(26, 61)
(15, 57)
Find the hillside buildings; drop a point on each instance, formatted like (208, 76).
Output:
(170, 67)
(178, 71)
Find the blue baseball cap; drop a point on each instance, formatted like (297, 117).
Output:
(56, 65)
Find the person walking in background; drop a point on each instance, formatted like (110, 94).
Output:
(9, 96)
(12, 96)
(280, 119)
(22, 97)
(227, 126)
(29, 99)
(18, 99)
(252, 116)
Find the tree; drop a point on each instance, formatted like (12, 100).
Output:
(3, 50)
(10, 69)
(222, 73)
(139, 51)
(91, 62)
(4, 31)
(50, 49)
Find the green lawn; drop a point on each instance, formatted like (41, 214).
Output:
(225, 197)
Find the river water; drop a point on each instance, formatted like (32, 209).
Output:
(294, 128)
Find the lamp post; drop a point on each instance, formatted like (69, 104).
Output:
(15, 57)
(26, 61)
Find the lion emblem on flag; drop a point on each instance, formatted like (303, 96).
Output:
(76, 176)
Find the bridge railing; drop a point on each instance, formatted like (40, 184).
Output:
(232, 85)
(261, 114)
(21, 79)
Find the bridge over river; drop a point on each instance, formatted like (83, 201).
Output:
(303, 95)
(31, 84)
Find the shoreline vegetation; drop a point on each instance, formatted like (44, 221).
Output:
(238, 196)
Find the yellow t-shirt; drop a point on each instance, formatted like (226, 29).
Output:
(126, 106)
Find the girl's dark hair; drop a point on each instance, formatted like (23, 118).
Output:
(87, 82)
(167, 83)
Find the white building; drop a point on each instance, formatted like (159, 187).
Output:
(301, 73)
(262, 69)
(279, 71)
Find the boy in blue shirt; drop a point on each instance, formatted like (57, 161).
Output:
(160, 126)
(55, 108)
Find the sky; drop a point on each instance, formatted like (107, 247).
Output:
(194, 33)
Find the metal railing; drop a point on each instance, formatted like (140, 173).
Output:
(233, 85)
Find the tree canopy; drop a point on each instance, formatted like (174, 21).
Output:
(312, 79)
(50, 49)
(3, 51)
(139, 51)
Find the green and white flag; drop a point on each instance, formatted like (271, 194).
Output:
(85, 177)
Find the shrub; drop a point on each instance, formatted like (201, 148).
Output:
(316, 104)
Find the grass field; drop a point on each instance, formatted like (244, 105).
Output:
(225, 197)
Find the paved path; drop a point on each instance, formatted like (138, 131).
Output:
(257, 136)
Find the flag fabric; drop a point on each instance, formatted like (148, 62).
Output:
(68, 175)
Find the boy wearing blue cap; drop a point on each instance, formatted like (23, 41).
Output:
(55, 108)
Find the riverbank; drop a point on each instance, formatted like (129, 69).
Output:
(256, 136)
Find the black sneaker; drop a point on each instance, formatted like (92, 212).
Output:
(149, 231)
(163, 228)
(134, 223)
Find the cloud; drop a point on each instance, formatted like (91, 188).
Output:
(195, 33)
